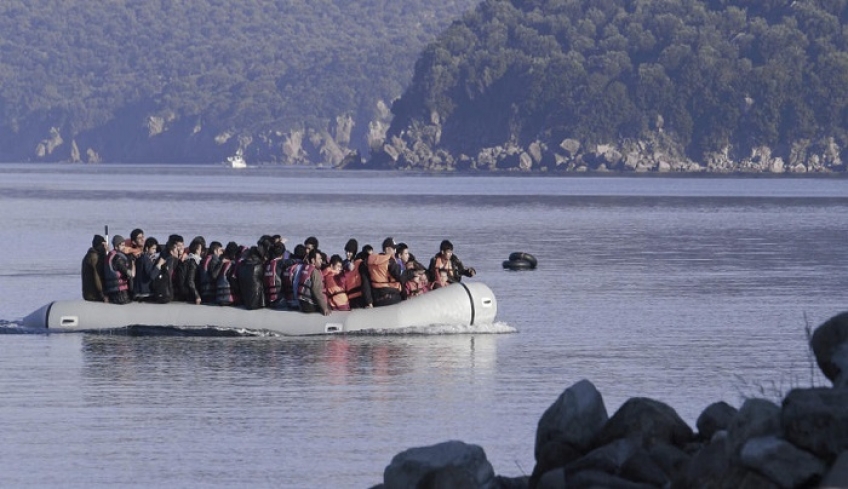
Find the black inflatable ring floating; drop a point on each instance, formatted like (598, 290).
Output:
(520, 261)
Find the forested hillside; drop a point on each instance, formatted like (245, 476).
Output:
(171, 80)
(645, 85)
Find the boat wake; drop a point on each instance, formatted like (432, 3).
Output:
(15, 327)
(441, 329)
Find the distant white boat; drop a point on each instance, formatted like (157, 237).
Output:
(237, 160)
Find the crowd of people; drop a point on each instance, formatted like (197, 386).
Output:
(264, 275)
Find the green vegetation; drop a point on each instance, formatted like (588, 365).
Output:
(248, 67)
(710, 73)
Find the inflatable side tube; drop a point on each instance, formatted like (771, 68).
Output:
(458, 304)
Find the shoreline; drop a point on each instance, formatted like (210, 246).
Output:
(803, 442)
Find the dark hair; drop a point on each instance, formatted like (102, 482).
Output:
(367, 249)
(312, 240)
(173, 239)
(336, 259)
(277, 250)
(311, 255)
(97, 241)
(215, 245)
(151, 241)
(232, 250)
(446, 245)
(400, 247)
(265, 243)
(197, 241)
(134, 234)
(389, 243)
(351, 246)
(300, 251)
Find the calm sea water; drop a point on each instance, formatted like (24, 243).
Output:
(685, 290)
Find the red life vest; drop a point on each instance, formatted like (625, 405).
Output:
(378, 269)
(304, 286)
(290, 283)
(353, 281)
(415, 288)
(116, 281)
(273, 282)
(335, 292)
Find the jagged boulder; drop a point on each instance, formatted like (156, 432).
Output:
(709, 464)
(450, 462)
(575, 418)
(716, 417)
(830, 346)
(756, 417)
(816, 420)
(647, 420)
(625, 458)
(782, 462)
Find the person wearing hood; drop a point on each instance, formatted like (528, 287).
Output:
(92, 271)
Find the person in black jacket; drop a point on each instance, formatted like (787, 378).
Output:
(118, 273)
(446, 268)
(207, 273)
(162, 286)
(250, 276)
(146, 269)
(190, 278)
(92, 270)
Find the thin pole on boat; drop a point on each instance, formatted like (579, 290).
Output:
(106, 232)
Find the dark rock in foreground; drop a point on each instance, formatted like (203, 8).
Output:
(801, 444)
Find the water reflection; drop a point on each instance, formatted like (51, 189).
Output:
(330, 361)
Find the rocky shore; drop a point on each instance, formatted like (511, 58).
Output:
(420, 147)
(802, 443)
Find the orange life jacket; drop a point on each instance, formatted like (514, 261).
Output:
(443, 273)
(335, 292)
(378, 269)
(353, 281)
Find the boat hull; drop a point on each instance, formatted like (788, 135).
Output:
(459, 304)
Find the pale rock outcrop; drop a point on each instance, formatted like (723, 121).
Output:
(75, 152)
(343, 129)
(292, 148)
(49, 144)
(571, 147)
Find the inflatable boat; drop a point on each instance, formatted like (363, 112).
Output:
(463, 304)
